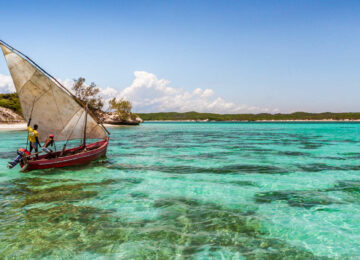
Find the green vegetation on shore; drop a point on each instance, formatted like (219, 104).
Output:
(10, 101)
(248, 117)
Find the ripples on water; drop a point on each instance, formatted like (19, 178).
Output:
(191, 190)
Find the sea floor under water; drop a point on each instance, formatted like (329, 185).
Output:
(191, 190)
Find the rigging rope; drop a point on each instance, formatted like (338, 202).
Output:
(57, 107)
(68, 138)
(32, 108)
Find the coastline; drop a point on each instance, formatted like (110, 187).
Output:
(260, 121)
(22, 126)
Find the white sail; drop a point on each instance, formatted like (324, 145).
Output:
(49, 106)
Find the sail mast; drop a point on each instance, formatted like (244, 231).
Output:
(86, 115)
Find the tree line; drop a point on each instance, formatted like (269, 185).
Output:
(248, 117)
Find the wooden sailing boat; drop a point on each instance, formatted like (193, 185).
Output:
(56, 111)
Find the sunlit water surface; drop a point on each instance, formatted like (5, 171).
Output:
(191, 190)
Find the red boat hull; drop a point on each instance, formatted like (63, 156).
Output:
(73, 157)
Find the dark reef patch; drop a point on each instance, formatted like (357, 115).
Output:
(303, 199)
(318, 167)
(238, 183)
(316, 197)
(229, 169)
(140, 195)
(292, 153)
(336, 158)
(37, 181)
(28, 190)
(243, 183)
(352, 155)
(255, 149)
(350, 187)
(310, 145)
(61, 193)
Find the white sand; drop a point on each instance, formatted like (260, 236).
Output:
(16, 126)
(115, 126)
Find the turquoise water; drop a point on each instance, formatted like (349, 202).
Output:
(191, 190)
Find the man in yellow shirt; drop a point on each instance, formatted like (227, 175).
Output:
(33, 137)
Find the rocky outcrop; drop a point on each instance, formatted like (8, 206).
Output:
(113, 119)
(9, 116)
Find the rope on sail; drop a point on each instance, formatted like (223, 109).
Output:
(68, 138)
(57, 107)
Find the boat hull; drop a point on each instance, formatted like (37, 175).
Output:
(75, 157)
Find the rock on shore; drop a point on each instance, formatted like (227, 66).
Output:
(113, 119)
(9, 116)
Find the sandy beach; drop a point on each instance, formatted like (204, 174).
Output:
(15, 126)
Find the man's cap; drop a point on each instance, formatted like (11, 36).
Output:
(51, 136)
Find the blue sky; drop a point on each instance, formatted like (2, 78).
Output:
(252, 56)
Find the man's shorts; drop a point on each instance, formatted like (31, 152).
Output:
(46, 150)
(34, 145)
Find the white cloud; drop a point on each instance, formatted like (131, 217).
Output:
(6, 84)
(68, 83)
(150, 94)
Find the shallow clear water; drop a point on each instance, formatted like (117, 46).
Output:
(191, 190)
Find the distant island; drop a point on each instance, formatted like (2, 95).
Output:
(205, 117)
